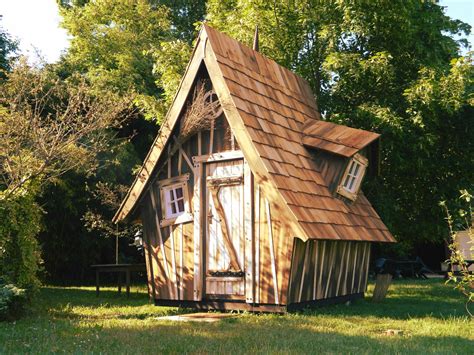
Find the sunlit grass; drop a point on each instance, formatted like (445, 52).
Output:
(429, 314)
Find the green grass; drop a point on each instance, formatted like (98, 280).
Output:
(430, 314)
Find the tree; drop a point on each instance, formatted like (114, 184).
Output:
(123, 45)
(117, 46)
(48, 127)
(8, 47)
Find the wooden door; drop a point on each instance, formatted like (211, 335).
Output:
(225, 233)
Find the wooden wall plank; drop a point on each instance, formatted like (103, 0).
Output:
(257, 244)
(248, 202)
(272, 253)
(198, 233)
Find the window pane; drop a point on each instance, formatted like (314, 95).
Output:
(351, 170)
(172, 195)
(181, 205)
(179, 192)
(173, 208)
(351, 185)
(356, 169)
(347, 180)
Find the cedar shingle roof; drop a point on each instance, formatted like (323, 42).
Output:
(337, 139)
(274, 106)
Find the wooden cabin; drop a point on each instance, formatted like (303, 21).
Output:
(248, 200)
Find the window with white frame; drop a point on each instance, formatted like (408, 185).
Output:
(175, 200)
(352, 177)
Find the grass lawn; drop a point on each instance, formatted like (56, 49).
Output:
(430, 314)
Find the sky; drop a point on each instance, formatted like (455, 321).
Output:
(35, 23)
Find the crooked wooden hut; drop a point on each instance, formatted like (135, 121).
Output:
(248, 199)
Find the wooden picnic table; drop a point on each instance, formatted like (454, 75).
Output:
(117, 268)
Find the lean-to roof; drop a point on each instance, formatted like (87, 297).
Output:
(337, 139)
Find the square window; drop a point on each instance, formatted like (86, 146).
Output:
(174, 204)
(174, 200)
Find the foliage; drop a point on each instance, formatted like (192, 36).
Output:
(429, 313)
(8, 48)
(49, 127)
(12, 301)
(19, 252)
(464, 282)
(391, 67)
(139, 46)
(109, 196)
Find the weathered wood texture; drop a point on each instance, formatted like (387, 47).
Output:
(327, 269)
(273, 248)
(225, 234)
(382, 283)
(268, 106)
(170, 250)
(336, 139)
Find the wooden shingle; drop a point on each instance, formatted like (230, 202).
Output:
(281, 119)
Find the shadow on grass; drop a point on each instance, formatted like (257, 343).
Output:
(75, 320)
(61, 303)
(242, 335)
(405, 300)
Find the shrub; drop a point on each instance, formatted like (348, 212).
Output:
(19, 251)
(463, 279)
(12, 301)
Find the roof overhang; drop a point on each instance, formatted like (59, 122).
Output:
(336, 139)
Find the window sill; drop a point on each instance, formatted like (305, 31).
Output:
(347, 194)
(184, 218)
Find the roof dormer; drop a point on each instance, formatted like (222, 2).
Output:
(347, 150)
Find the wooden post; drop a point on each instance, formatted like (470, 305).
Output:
(127, 282)
(97, 282)
(382, 283)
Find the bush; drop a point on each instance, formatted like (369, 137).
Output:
(19, 251)
(463, 279)
(12, 301)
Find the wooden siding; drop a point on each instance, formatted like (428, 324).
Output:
(273, 246)
(326, 269)
(331, 168)
(170, 253)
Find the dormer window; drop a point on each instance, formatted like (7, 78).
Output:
(175, 206)
(352, 177)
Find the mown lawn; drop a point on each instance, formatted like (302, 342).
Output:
(430, 314)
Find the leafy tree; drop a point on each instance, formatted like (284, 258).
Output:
(137, 48)
(8, 47)
(123, 45)
(48, 127)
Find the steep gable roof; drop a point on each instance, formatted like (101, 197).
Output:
(267, 107)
